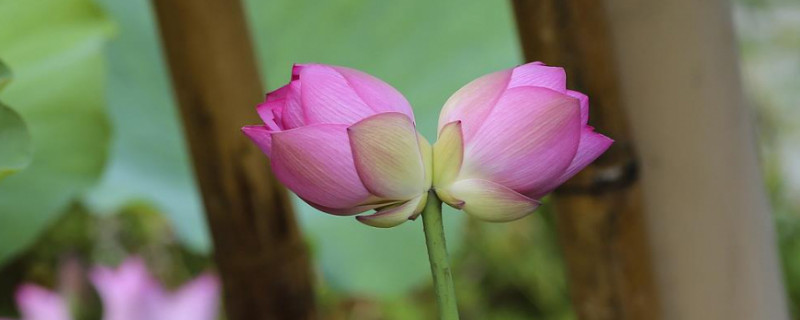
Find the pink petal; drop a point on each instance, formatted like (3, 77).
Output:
(529, 139)
(292, 114)
(426, 151)
(261, 136)
(368, 205)
(584, 99)
(536, 74)
(449, 154)
(37, 303)
(378, 95)
(130, 293)
(387, 155)
(271, 110)
(267, 112)
(278, 94)
(316, 162)
(196, 300)
(124, 291)
(447, 161)
(490, 201)
(472, 103)
(394, 216)
(327, 97)
(296, 68)
(591, 146)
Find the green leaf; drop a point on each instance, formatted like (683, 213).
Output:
(5, 75)
(15, 141)
(446, 44)
(54, 48)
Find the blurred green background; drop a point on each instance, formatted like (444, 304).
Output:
(99, 168)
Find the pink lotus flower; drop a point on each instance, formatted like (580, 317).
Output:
(508, 138)
(345, 142)
(131, 293)
(37, 303)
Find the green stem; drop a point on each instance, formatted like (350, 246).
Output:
(437, 254)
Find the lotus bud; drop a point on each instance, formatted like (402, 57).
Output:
(508, 138)
(345, 142)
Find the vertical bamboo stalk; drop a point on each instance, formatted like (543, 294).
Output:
(261, 256)
(711, 229)
(600, 216)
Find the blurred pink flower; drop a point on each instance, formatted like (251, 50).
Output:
(37, 303)
(131, 293)
(508, 138)
(345, 142)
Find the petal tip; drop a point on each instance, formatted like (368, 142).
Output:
(393, 216)
(250, 128)
(493, 202)
(365, 219)
(296, 68)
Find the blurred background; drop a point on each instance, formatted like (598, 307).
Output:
(95, 166)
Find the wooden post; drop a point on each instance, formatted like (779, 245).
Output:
(711, 231)
(600, 216)
(261, 256)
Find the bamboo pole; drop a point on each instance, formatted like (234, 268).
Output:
(712, 237)
(671, 68)
(600, 217)
(262, 259)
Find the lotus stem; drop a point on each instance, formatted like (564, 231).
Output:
(437, 254)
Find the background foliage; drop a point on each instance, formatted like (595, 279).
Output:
(58, 91)
(15, 138)
(769, 44)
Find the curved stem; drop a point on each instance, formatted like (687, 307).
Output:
(437, 254)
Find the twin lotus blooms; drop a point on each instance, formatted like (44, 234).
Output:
(346, 142)
(128, 293)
